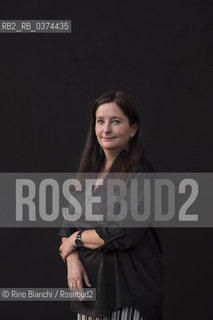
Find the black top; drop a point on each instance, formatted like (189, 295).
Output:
(126, 270)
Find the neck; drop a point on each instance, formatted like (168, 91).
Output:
(110, 158)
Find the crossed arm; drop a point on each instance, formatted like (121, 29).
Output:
(108, 239)
(76, 272)
(90, 240)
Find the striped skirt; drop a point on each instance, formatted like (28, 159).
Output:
(125, 313)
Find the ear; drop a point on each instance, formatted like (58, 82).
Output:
(134, 128)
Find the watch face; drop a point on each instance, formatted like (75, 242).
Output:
(78, 242)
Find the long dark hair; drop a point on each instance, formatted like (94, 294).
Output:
(93, 159)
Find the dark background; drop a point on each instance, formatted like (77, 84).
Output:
(159, 52)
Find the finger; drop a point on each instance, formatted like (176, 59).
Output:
(79, 284)
(86, 279)
(80, 289)
(63, 257)
(69, 284)
(72, 284)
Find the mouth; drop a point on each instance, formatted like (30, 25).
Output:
(107, 139)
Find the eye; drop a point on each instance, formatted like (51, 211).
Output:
(99, 121)
(116, 121)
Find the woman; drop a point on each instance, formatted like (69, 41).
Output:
(123, 264)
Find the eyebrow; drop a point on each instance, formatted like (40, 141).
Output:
(110, 118)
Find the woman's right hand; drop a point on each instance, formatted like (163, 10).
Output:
(76, 272)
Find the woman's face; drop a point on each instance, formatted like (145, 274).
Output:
(112, 127)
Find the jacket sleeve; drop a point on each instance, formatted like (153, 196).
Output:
(66, 230)
(119, 238)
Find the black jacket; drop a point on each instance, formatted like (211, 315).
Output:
(126, 270)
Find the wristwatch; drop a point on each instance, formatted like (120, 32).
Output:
(78, 241)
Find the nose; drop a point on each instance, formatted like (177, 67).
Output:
(107, 127)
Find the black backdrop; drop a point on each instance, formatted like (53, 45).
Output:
(159, 52)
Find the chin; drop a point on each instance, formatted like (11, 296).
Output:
(108, 148)
(111, 148)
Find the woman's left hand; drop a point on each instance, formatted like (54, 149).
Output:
(68, 246)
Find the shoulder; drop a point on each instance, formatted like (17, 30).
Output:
(144, 166)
